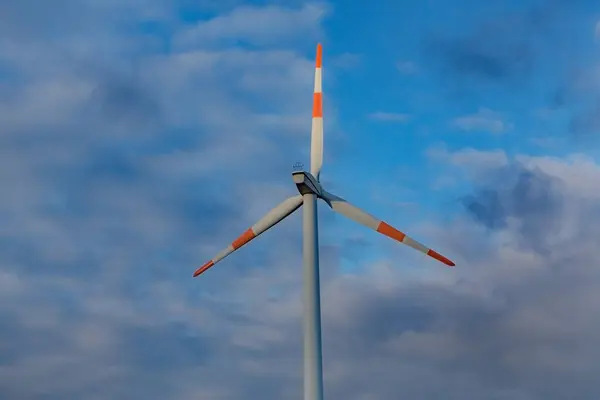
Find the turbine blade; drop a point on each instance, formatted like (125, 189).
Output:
(271, 219)
(316, 135)
(354, 213)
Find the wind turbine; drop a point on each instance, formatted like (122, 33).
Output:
(310, 188)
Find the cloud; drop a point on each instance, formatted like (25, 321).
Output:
(495, 324)
(257, 26)
(535, 214)
(505, 48)
(117, 182)
(469, 158)
(407, 67)
(471, 164)
(579, 173)
(483, 120)
(127, 174)
(346, 60)
(389, 116)
(577, 98)
(511, 50)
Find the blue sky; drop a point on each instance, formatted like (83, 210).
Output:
(138, 138)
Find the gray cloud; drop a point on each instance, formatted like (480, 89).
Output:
(577, 95)
(514, 321)
(514, 49)
(529, 197)
(507, 47)
(117, 182)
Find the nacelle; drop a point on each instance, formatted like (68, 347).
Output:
(306, 183)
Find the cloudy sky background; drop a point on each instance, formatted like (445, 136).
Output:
(139, 137)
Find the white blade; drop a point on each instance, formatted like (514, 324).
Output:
(343, 207)
(272, 218)
(316, 135)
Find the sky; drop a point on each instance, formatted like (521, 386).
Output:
(140, 137)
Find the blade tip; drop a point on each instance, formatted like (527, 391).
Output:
(203, 268)
(441, 258)
(319, 59)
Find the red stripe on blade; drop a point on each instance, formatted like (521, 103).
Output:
(317, 105)
(390, 231)
(242, 240)
(440, 257)
(319, 56)
(203, 268)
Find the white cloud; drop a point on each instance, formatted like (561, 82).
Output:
(579, 173)
(389, 116)
(484, 120)
(407, 67)
(469, 158)
(51, 102)
(257, 25)
(346, 60)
